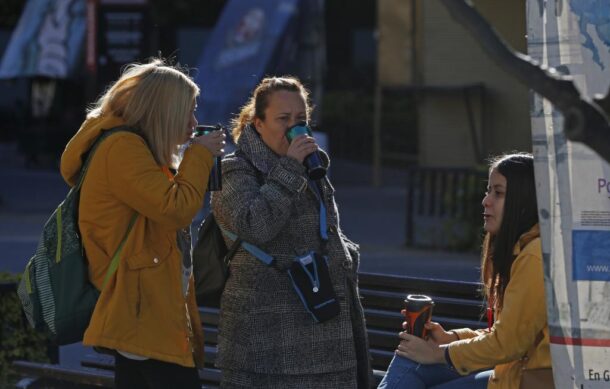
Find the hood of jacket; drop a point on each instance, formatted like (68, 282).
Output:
(81, 142)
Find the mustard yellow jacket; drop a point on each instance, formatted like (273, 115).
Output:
(510, 344)
(142, 309)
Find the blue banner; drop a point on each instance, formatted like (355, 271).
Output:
(47, 41)
(591, 255)
(252, 39)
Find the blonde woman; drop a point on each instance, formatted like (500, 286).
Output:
(146, 312)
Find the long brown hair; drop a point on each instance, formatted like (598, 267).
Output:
(520, 214)
(258, 103)
(156, 99)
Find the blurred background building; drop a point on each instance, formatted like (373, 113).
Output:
(403, 94)
(395, 81)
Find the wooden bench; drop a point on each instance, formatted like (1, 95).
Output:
(457, 304)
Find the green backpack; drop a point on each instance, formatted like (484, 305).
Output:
(55, 291)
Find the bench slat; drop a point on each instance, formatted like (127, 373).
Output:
(82, 376)
(419, 285)
(442, 305)
(104, 362)
(457, 304)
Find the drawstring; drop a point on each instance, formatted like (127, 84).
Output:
(490, 312)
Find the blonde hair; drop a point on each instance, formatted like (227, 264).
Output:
(156, 99)
(258, 103)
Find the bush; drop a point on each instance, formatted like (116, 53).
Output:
(347, 116)
(17, 339)
(465, 230)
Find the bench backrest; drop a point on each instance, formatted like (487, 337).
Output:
(457, 304)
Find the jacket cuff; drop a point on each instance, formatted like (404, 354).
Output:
(448, 359)
(290, 174)
(453, 353)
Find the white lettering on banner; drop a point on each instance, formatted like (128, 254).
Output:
(598, 268)
(244, 41)
(53, 58)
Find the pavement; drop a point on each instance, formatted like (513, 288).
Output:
(374, 217)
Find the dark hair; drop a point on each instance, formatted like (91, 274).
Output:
(520, 214)
(256, 106)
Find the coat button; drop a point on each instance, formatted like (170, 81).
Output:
(156, 260)
(332, 229)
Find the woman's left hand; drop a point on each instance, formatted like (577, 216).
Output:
(419, 350)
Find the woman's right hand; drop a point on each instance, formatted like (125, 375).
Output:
(437, 333)
(301, 147)
(214, 142)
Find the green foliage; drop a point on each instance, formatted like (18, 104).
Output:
(464, 232)
(17, 339)
(347, 116)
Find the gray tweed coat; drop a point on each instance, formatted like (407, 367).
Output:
(264, 328)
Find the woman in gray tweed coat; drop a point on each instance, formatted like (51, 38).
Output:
(266, 336)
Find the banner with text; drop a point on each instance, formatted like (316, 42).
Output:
(573, 184)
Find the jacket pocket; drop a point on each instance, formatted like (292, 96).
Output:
(153, 255)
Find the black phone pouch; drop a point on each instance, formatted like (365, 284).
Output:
(311, 281)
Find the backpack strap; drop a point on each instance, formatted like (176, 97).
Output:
(94, 147)
(262, 255)
(252, 249)
(114, 264)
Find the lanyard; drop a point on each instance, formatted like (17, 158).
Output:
(268, 259)
(323, 223)
(309, 259)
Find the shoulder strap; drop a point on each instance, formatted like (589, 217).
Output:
(114, 264)
(252, 249)
(539, 338)
(94, 147)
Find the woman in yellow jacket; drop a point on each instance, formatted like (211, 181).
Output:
(146, 312)
(514, 286)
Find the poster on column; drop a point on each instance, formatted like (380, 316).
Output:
(573, 183)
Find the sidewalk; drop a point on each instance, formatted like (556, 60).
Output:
(372, 217)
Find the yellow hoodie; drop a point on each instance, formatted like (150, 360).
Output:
(142, 309)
